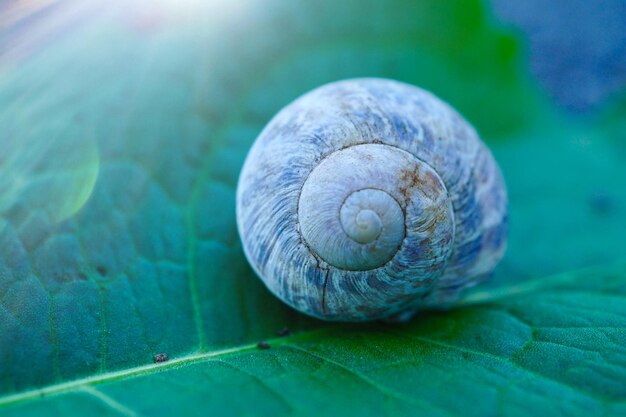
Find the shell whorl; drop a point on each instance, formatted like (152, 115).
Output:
(372, 205)
(367, 198)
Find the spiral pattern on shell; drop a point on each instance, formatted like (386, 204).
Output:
(369, 198)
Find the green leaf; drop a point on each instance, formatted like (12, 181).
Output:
(560, 349)
(123, 129)
(567, 197)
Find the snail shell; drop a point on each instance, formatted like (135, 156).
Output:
(369, 199)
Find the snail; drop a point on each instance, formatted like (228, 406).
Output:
(370, 199)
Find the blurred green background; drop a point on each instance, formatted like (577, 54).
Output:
(123, 126)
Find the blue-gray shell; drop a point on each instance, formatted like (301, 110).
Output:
(370, 199)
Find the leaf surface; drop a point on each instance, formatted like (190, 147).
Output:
(123, 130)
(560, 350)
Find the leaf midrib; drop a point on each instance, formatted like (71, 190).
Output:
(122, 374)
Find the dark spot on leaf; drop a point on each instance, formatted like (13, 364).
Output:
(161, 357)
(263, 345)
(101, 270)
